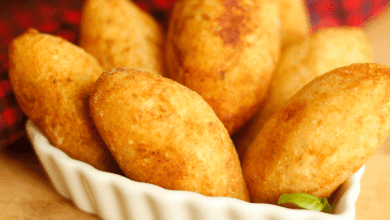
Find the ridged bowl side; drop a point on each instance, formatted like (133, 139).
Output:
(112, 196)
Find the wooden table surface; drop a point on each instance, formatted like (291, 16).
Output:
(26, 192)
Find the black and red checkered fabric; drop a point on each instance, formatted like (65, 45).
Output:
(331, 13)
(62, 18)
(11, 118)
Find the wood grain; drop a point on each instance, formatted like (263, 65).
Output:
(374, 197)
(25, 191)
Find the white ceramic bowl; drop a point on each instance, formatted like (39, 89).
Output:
(112, 196)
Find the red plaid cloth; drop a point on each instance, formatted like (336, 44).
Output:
(62, 18)
(331, 13)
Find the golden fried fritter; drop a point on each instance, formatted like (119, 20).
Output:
(163, 133)
(225, 51)
(52, 80)
(321, 135)
(120, 34)
(294, 20)
(299, 64)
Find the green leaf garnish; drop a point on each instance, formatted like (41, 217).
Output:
(307, 201)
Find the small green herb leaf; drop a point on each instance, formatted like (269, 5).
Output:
(306, 201)
(327, 208)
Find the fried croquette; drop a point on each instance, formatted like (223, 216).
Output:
(52, 80)
(120, 34)
(299, 64)
(162, 133)
(225, 51)
(321, 135)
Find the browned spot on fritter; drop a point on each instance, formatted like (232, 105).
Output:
(232, 22)
(182, 70)
(292, 111)
(223, 73)
(205, 17)
(177, 53)
(177, 27)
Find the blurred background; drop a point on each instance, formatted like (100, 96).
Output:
(62, 18)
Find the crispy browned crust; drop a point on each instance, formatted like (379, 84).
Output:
(299, 64)
(52, 80)
(119, 34)
(322, 135)
(226, 51)
(161, 132)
